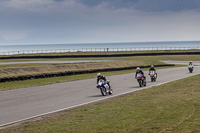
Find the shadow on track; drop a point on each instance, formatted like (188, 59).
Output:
(135, 87)
(96, 96)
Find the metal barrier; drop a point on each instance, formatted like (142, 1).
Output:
(97, 50)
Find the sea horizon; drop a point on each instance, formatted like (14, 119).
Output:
(13, 44)
(23, 47)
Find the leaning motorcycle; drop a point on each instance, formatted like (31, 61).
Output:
(104, 87)
(141, 80)
(153, 76)
(190, 68)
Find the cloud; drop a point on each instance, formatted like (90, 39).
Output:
(167, 5)
(141, 5)
(26, 4)
(109, 4)
(145, 5)
(99, 20)
(155, 27)
(38, 5)
(11, 34)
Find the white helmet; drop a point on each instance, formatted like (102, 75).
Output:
(138, 69)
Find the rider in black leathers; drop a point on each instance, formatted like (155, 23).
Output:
(152, 69)
(138, 70)
(99, 76)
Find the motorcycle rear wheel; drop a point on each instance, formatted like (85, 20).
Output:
(144, 83)
(110, 91)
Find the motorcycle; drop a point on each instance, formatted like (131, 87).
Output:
(153, 76)
(141, 80)
(190, 68)
(104, 87)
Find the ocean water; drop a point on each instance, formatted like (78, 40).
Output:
(7, 48)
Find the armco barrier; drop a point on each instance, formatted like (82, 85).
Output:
(48, 75)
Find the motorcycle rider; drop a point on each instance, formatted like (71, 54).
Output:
(99, 76)
(138, 70)
(152, 69)
(190, 64)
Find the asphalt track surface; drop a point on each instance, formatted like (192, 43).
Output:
(65, 62)
(26, 103)
(181, 62)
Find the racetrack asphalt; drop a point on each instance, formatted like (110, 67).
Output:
(180, 62)
(25, 103)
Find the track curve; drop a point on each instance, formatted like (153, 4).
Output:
(25, 103)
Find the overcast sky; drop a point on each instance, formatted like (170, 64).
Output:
(94, 21)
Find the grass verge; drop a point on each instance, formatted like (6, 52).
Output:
(172, 107)
(115, 62)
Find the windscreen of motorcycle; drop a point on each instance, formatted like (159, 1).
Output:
(139, 75)
(152, 73)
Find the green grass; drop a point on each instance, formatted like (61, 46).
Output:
(172, 107)
(159, 57)
(28, 69)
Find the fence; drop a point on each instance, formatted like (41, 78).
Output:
(97, 50)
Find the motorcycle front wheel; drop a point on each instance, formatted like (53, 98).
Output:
(152, 79)
(140, 83)
(103, 91)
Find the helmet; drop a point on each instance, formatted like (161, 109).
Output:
(152, 66)
(99, 74)
(137, 69)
